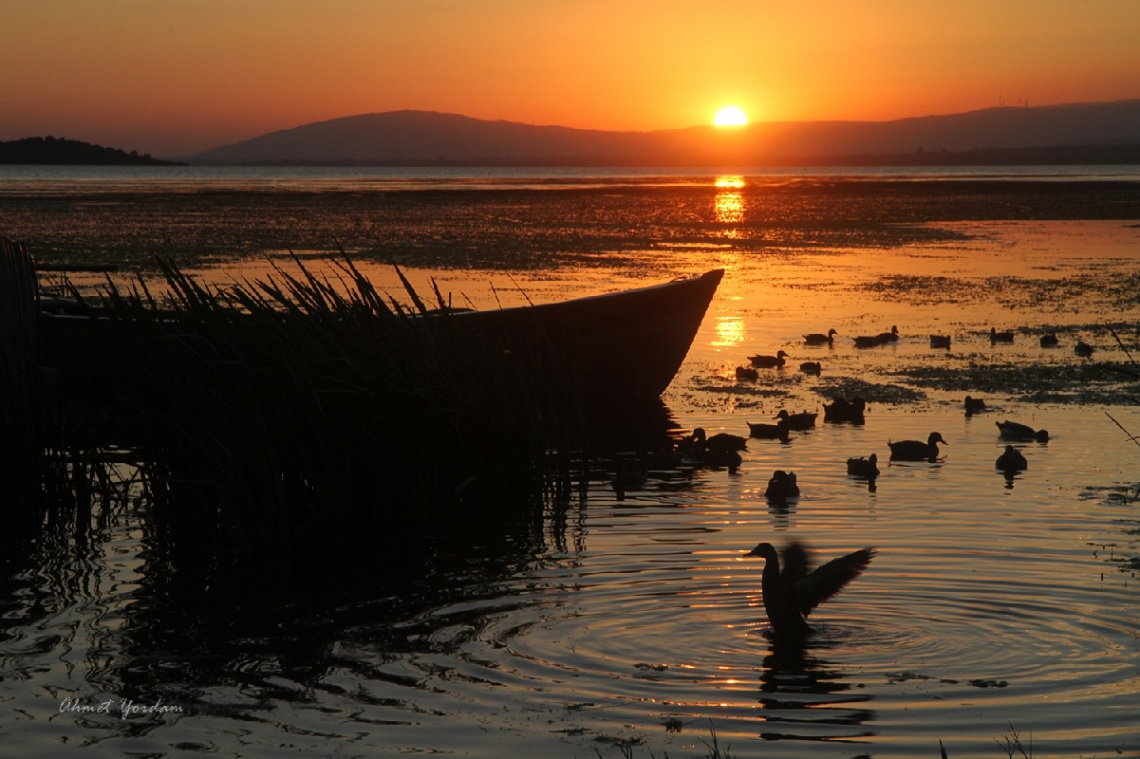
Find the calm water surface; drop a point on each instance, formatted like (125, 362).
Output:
(994, 606)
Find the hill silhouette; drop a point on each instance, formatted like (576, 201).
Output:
(1075, 133)
(64, 152)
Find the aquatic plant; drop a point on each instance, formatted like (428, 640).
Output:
(300, 421)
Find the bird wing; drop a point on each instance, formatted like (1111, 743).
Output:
(796, 564)
(828, 580)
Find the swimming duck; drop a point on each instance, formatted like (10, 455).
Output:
(974, 406)
(724, 441)
(1021, 432)
(916, 450)
(1000, 337)
(1012, 460)
(818, 338)
(769, 362)
(1083, 349)
(804, 420)
(790, 595)
(1049, 341)
(720, 450)
(842, 410)
(782, 486)
(889, 337)
(811, 367)
(778, 431)
(940, 341)
(747, 373)
(865, 468)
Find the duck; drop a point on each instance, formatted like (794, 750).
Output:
(940, 341)
(842, 410)
(724, 459)
(777, 431)
(804, 420)
(916, 450)
(1083, 349)
(782, 486)
(974, 406)
(1000, 337)
(818, 338)
(747, 373)
(865, 468)
(725, 441)
(1011, 460)
(791, 595)
(720, 450)
(1021, 432)
(1049, 340)
(769, 362)
(811, 367)
(889, 337)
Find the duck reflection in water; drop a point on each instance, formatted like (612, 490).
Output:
(804, 697)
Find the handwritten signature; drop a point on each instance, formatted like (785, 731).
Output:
(124, 707)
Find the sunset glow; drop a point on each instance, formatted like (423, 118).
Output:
(179, 78)
(730, 116)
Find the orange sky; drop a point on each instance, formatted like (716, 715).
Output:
(175, 77)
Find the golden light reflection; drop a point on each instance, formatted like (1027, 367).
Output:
(729, 331)
(729, 203)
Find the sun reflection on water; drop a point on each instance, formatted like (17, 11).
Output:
(730, 332)
(729, 202)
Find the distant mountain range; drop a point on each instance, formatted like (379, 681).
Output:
(1075, 133)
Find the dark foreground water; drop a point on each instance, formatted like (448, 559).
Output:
(997, 608)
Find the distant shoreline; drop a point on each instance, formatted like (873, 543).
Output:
(50, 151)
(1058, 155)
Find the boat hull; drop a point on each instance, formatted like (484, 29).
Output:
(619, 346)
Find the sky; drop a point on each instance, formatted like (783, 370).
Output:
(176, 77)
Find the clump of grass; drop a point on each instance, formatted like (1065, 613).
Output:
(301, 421)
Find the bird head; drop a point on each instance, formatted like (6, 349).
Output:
(764, 550)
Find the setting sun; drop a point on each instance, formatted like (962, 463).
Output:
(730, 115)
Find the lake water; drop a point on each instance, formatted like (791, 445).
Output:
(996, 607)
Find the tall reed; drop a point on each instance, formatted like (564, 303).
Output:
(304, 420)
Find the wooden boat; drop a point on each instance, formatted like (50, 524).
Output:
(613, 347)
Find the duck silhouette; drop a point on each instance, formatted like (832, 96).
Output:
(720, 450)
(889, 337)
(1000, 337)
(769, 362)
(747, 373)
(782, 486)
(864, 468)
(870, 341)
(803, 420)
(842, 410)
(1011, 460)
(940, 341)
(1049, 341)
(1021, 432)
(916, 450)
(811, 367)
(790, 595)
(974, 406)
(818, 338)
(1083, 349)
(777, 431)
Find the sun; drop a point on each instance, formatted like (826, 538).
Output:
(730, 115)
